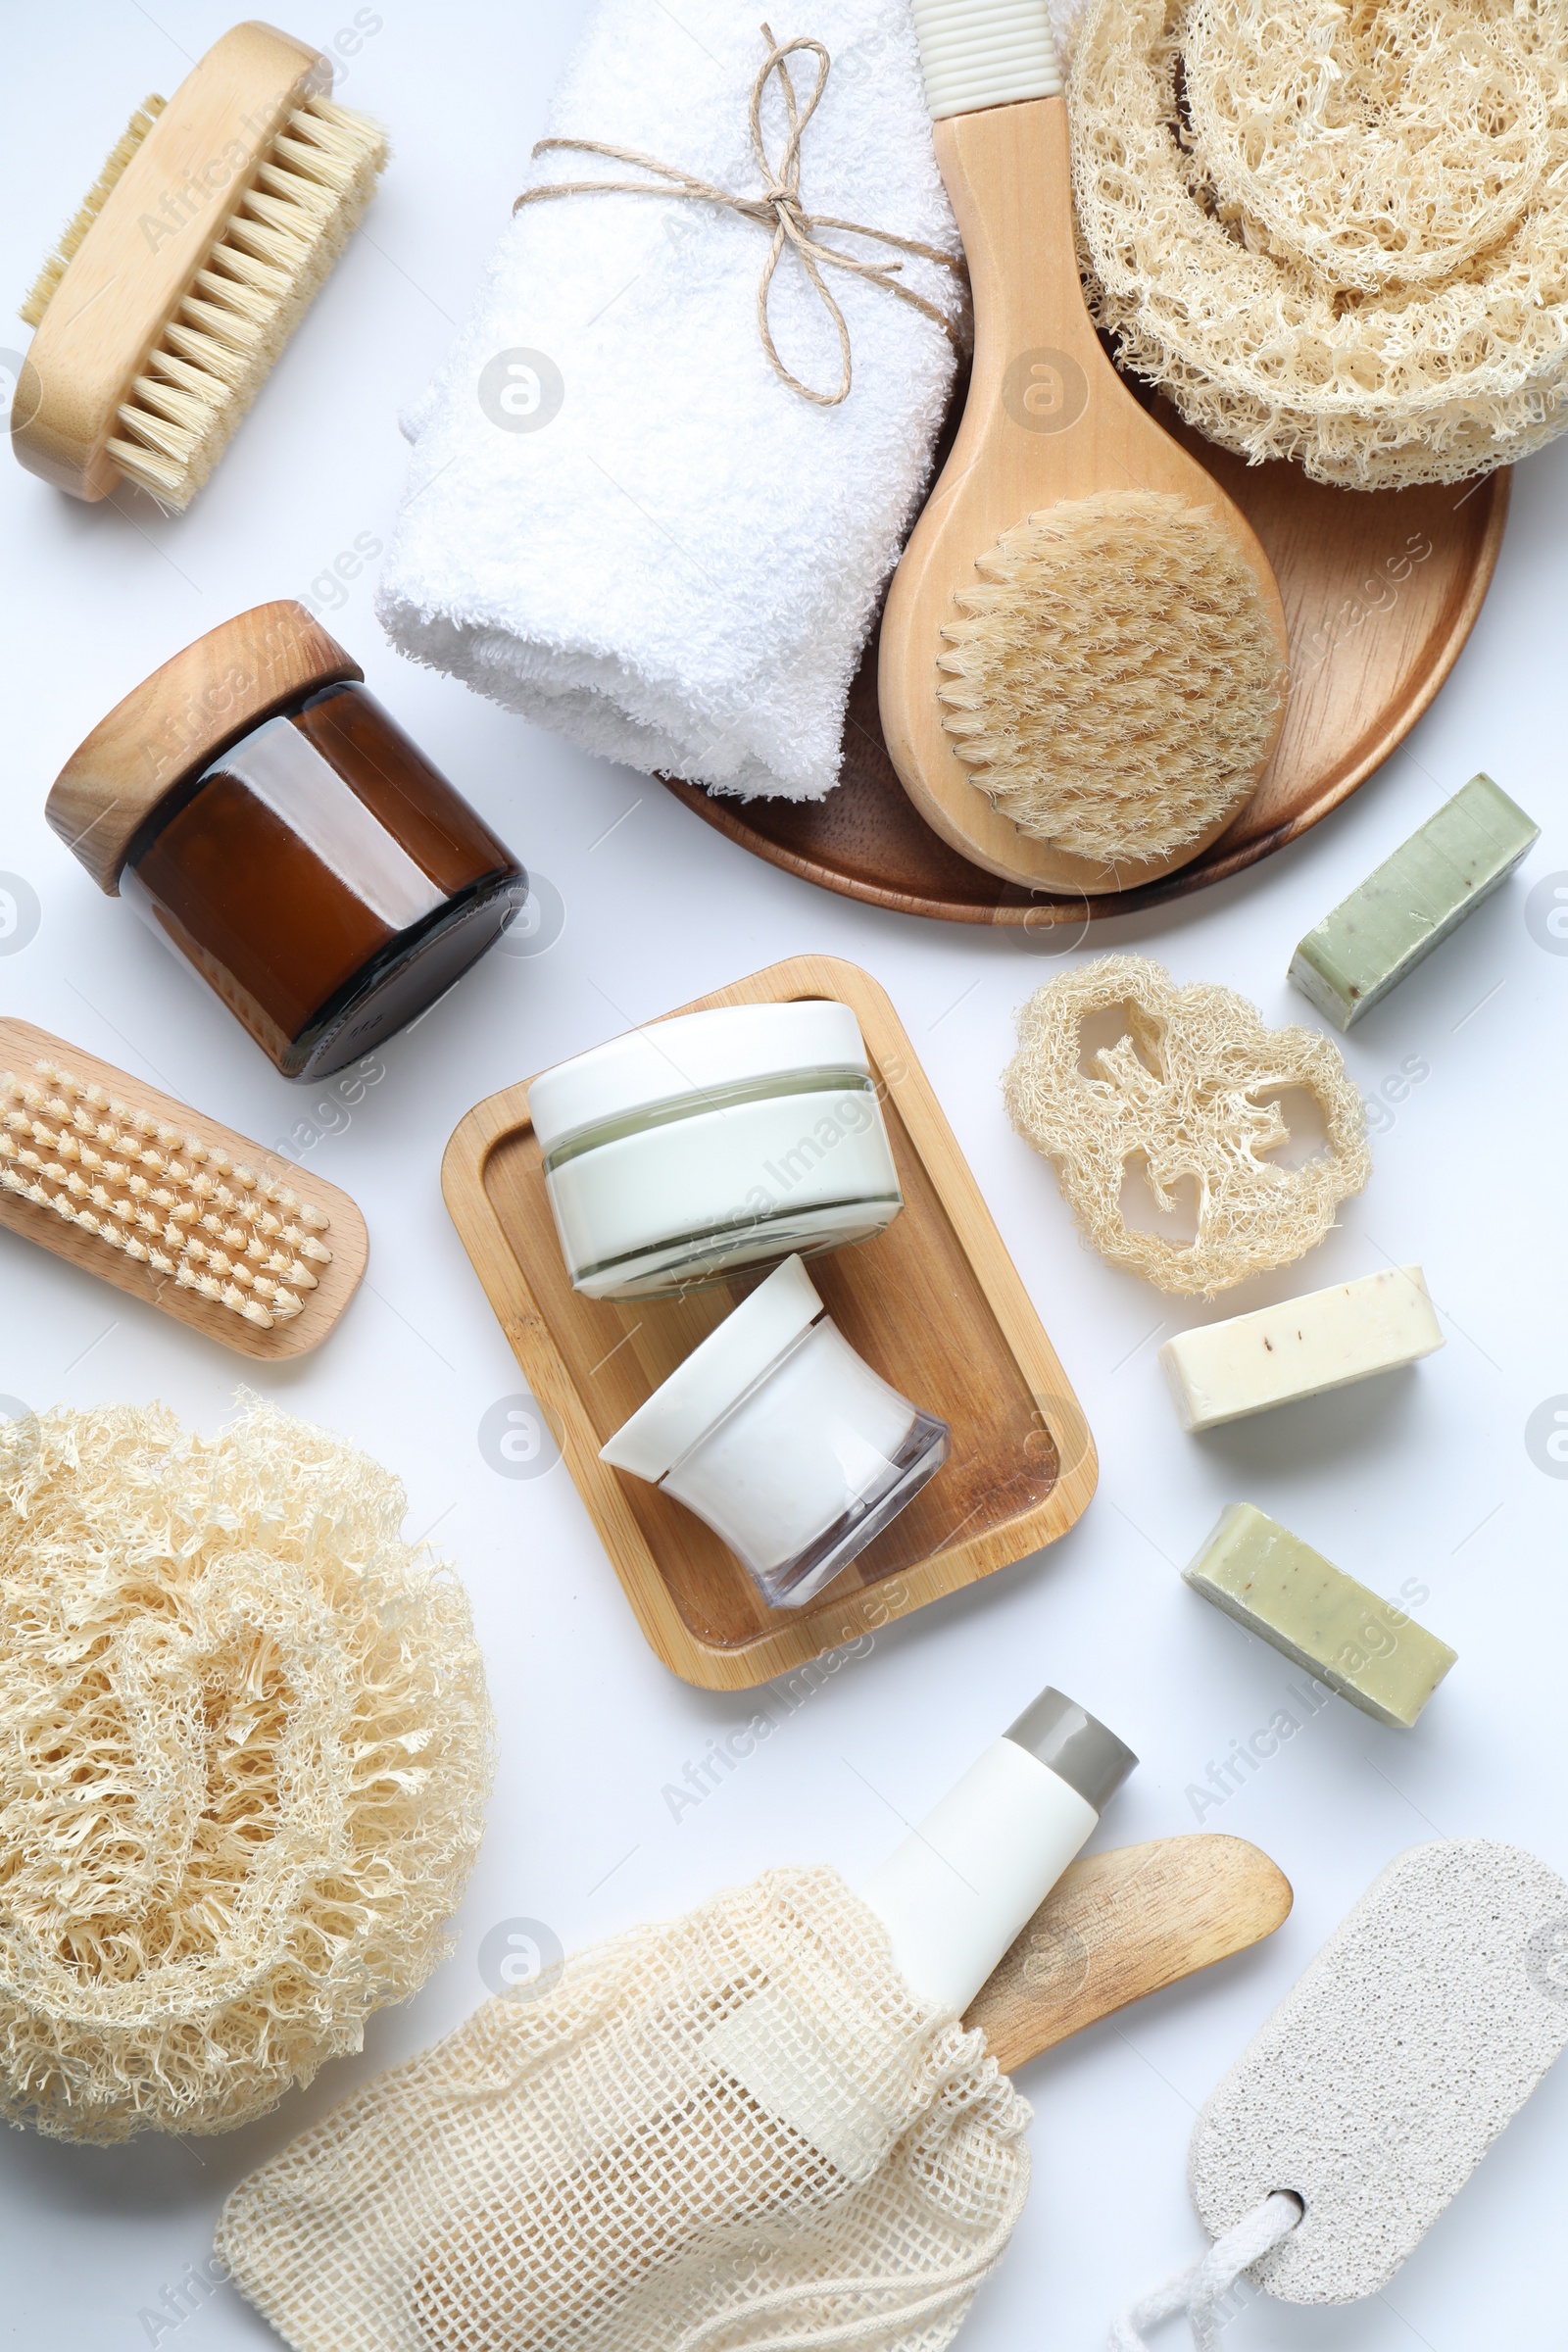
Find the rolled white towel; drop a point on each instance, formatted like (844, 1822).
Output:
(619, 519)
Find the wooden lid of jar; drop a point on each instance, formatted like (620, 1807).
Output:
(177, 721)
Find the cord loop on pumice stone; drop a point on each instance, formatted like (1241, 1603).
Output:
(777, 208)
(1200, 2289)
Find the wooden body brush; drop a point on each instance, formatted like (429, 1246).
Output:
(1083, 654)
(172, 291)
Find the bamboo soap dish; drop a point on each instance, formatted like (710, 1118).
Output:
(221, 1242)
(934, 1304)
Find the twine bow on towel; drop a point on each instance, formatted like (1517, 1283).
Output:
(778, 207)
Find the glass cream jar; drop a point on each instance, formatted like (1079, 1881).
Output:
(783, 1438)
(275, 828)
(679, 1154)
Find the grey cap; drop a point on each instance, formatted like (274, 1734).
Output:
(1065, 1736)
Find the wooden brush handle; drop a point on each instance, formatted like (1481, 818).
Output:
(1119, 1924)
(140, 260)
(1008, 177)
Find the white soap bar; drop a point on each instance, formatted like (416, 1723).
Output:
(1224, 1371)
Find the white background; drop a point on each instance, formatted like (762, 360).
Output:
(1424, 1475)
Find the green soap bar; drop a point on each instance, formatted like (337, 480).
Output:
(1365, 1649)
(1412, 901)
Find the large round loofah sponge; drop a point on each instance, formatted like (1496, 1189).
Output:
(245, 1749)
(1378, 145)
(1115, 682)
(1334, 231)
(1189, 1094)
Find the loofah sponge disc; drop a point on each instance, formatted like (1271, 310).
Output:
(244, 1754)
(1115, 681)
(1189, 1094)
(1334, 231)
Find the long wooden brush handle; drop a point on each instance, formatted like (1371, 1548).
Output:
(158, 226)
(1008, 176)
(1119, 1924)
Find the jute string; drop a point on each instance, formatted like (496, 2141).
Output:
(778, 207)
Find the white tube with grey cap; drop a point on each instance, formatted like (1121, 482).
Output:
(965, 1884)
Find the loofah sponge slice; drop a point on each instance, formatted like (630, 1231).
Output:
(1115, 682)
(1189, 1092)
(1334, 231)
(244, 1754)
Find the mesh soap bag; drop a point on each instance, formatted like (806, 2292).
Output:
(736, 2130)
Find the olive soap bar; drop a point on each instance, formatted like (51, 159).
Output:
(1363, 1646)
(1412, 901)
(1249, 1363)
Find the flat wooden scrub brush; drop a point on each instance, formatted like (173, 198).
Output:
(169, 296)
(166, 1205)
(1083, 656)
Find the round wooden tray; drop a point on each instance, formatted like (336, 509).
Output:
(1380, 590)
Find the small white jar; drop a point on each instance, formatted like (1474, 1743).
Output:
(783, 1440)
(681, 1154)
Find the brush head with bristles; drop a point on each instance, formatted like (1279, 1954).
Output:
(1113, 681)
(976, 53)
(132, 1182)
(264, 273)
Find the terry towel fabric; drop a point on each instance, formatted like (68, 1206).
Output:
(679, 563)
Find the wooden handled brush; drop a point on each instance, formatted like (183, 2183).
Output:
(1083, 652)
(172, 291)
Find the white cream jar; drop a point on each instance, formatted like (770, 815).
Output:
(784, 1440)
(678, 1155)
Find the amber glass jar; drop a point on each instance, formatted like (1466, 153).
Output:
(270, 820)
